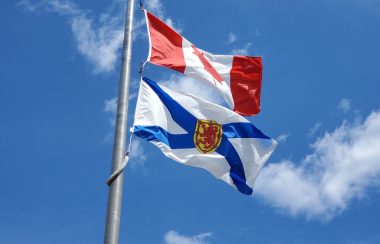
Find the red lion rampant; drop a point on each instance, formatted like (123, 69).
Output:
(207, 136)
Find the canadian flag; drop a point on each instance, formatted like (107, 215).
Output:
(237, 78)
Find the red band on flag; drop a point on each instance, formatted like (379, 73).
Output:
(246, 76)
(166, 45)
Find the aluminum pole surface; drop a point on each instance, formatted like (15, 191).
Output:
(111, 235)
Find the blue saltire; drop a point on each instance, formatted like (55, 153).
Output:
(188, 122)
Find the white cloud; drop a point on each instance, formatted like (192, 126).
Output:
(27, 5)
(108, 139)
(138, 157)
(344, 105)
(342, 166)
(282, 138)
(231, 38)
(61, 7)
(110, 105)
(99, 46)
(314, 129)
(194, 87)
(137, 153)
(134, 88)
(98, 40)
(157, 8)
(172, 237)
(242, 51)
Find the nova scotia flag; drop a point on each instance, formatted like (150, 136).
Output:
(195, 132)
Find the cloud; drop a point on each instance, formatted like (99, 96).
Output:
(61, 7)
(344, 105)
(108, 139)
(242, 51)
(194, 87)
(172, 237)
(98, 40)
(157, 8)
(138, 157)
(282, 138)
(110, 105)
(231, 38)
(343, 166)
(27, 5)
(134, 88)
(314, 129)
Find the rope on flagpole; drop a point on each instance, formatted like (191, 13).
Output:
(117, 172)
(141, 5)
(142, 67)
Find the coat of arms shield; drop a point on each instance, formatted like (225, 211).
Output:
(207, 135)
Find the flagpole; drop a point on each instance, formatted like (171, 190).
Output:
(111, 235)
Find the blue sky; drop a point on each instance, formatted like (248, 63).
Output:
(59, 69)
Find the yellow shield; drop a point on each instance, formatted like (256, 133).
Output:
(207, 135)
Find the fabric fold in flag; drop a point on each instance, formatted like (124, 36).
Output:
(237, 78)
(198, 133)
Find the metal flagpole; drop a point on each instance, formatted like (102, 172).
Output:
(111, 235)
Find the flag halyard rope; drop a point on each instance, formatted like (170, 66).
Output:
(117, 172)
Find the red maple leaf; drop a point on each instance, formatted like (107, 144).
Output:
(207, 66)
